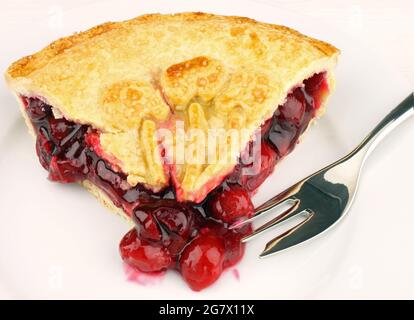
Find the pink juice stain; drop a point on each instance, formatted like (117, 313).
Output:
(236, 274)
(143, 278)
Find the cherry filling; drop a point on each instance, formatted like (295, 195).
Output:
(191, 238)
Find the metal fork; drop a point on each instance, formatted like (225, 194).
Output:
(323, 198)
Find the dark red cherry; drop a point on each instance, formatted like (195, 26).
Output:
(317, 87)
(201, 262)
(267, 162)
(106, 174)
(283, 136)
(146, 225)
(234, 248)
(314, 83)
(176, 218)
(231, 205)
(66, 171)
(60, 129)
(266, 126)
(44, 148)
(143, 255)
(166, 221)
(293, 109)
(36, 109)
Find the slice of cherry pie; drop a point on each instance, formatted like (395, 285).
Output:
(174, 121)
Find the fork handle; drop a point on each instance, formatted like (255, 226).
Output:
(398, 115)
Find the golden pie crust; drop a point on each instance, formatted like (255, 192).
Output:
(129, 79)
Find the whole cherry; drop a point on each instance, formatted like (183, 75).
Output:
(231, 204)
(143, 255)
(201, 262)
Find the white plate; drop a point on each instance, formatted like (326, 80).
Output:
(59, 242)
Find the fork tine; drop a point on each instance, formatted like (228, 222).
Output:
(276, 201)
(259, 211)
(289, 237)
(289, 213)
(282, 198)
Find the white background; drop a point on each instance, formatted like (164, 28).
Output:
(368, 256)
